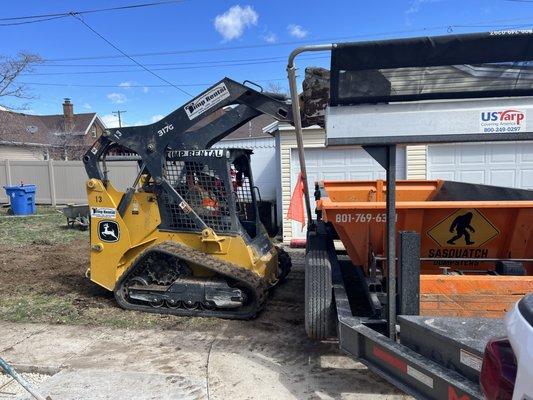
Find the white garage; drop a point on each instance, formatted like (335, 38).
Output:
(339, 164)
(348, 163)
(501, 164)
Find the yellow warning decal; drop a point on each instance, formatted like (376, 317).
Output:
(464, 228)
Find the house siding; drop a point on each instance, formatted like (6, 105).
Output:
(313, 138)
(21, 153)
(263, 162)
(416, 161)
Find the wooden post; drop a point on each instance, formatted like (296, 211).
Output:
(51, 179)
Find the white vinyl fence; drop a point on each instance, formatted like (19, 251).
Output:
(60, 182)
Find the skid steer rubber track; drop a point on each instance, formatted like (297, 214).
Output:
(256, 288)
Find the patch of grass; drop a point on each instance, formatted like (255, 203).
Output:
(38, 308)
(46, 227)
(45, 308)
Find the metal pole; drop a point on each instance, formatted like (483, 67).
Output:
(391, 239)
(291, 72)
(20, 379)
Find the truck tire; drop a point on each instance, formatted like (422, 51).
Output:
(319, 307)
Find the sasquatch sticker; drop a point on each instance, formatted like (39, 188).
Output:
(108, 231)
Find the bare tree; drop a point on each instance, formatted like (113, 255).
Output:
(275, 87)
(10, 69)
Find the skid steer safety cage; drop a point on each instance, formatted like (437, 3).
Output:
(203, 190)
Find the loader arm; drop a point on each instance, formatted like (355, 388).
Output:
(177, 131)
(150, 142)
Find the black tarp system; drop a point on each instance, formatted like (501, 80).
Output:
(484, 65)
(462, 191)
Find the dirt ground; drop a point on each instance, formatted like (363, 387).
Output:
(42, 280)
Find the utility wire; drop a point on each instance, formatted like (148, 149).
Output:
(33, 21)
(272, 59)
(159, 69)
(136, 86)
(97, 10)
(129, 57)
(497, 23)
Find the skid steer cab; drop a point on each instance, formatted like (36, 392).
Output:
(186, 237)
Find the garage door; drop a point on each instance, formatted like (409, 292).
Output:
(338, 164)
(501, 164)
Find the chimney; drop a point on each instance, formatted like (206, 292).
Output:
(68, 114)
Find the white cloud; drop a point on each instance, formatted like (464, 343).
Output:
(133, 85)
(87, 106)
(117, 98)
(232, 23)
(297, 31)
(270, 37)
(151, 120)
(126, 84)
(156, 117)
(417, 4)
(110, 120)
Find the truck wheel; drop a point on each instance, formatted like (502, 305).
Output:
(319, 308)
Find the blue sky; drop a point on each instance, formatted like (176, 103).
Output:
(209, 39)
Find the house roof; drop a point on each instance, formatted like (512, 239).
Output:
(20, 127)
(253, 128)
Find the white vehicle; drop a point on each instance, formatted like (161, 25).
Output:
(507, 371)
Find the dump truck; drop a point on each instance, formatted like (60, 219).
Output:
(372, 245)
(185, 238)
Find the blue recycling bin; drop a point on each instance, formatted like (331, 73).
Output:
(22, 199)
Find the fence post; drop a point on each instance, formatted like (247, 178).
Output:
(52, 182)
(8, 173)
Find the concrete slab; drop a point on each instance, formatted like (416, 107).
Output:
(12, 334)
(182, 353)
(282, 366)
(51, 347)
(97, 384)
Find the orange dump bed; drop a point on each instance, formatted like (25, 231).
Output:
(455, 221)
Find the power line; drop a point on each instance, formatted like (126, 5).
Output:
(135, 86)
(274, 58)
(33, 21)
(497, 23)
(160, 69)
(131, 58)
(91, 11)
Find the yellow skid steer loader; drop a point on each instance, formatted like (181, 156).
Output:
(185, 238)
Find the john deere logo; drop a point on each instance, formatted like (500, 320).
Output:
(463, 228)
(108, 231)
